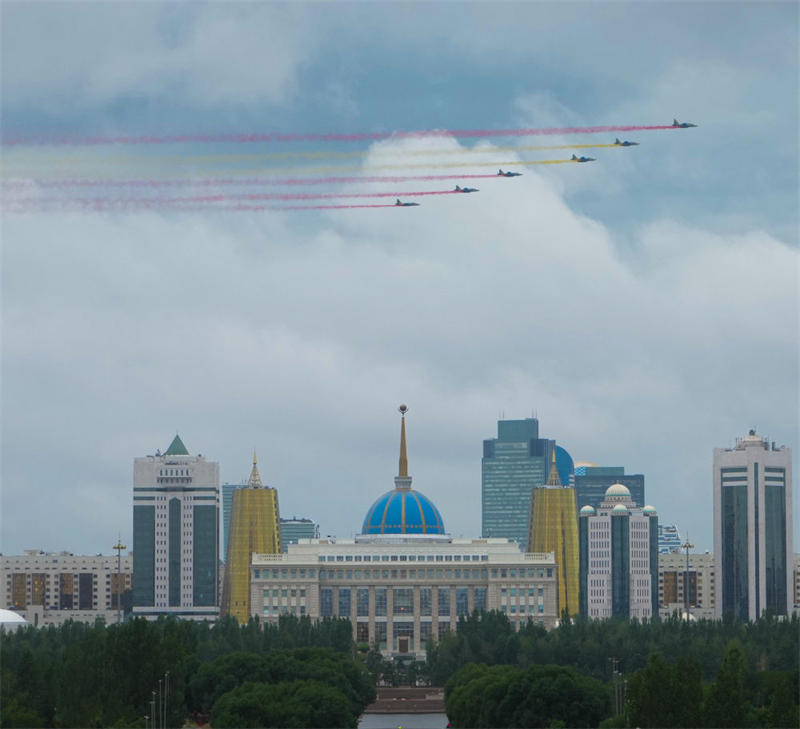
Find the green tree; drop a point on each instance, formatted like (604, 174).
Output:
(725, 706)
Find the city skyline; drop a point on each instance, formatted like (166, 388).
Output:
(643, 306)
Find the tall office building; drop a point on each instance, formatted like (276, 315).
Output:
(753, 528)
(513, 464)
(227, 500)
(554, 528)
(592, 482)
(175, 534)
(294, 529)
(255, 527)
(618, 558)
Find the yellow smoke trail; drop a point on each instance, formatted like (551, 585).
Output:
(234, 158)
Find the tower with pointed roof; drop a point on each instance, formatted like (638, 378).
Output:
(255, 526)
(176, 503)
(554, 528)
(403, 510)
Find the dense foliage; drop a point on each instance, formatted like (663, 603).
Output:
(538, 696)
(587, 645)
(98, 676)
(712, 674)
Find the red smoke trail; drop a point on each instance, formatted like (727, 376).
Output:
(323, 137)
(245, 182)
(110, 202)
(36, 206)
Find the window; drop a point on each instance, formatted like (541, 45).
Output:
(403, 601)
(326, 602)
(462, 601)
(380, 602)
(362, 602)
(425, 600)
(444, 601)
(345, 594)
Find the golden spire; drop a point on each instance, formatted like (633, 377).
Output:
(403, 455)
(554, 480)
(255, 476)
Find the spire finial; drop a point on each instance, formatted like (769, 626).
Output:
(403, 409)
(554, 479)
(255, 477)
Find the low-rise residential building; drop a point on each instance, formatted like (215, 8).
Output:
(672, 580)
(47, 588)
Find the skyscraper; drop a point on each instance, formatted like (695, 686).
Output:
(255, 527)
(227, 500)
(753, 528)
(554, 528)
(618, 558)
(592, 482)
(513, 464)
(294, 529)
(175, 534)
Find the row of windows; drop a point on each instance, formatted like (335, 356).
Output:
(404, 558)
(286, 574)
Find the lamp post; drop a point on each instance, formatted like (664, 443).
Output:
(687, 546)
(153, 709)
(119, 546)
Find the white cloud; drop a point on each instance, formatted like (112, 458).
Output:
(244, 330)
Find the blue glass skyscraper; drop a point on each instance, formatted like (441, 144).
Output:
(513, 464)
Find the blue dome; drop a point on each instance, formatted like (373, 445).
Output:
(403, 511)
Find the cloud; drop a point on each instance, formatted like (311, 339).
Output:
(88, 55)
(301, 338)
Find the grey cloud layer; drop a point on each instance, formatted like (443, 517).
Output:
(242, 331)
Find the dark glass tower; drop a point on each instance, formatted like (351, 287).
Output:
(753, 528)
(513, 464)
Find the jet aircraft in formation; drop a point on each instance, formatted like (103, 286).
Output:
(582, 159)
(617, 143)
(683, 125)
(466, 189)
(500, 173)
(405, 205)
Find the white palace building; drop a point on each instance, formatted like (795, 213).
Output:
(403, 580)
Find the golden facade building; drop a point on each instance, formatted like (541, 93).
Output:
(254, 528)
(554, 528)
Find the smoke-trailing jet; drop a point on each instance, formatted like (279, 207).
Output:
(682, 125)
(617, 143)
(405, 205)
(500, 173)
(466, 189)
(582, 159)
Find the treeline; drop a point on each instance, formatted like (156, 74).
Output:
(98, 676)
(587, 645)
(664, 695)
(671, 674)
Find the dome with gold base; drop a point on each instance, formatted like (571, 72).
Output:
(403, 510)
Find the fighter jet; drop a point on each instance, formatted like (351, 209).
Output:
(582, 159)
(684, 125)
(405, 205)
(466, 189)
(508, 174)
(617, 143)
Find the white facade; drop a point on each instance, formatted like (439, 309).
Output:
(176, 502)
(47, 588)
(602, 561)
(402, 590)
(702, 585)
(753, 528)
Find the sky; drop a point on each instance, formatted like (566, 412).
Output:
(644, 306)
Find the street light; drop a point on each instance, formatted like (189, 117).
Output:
(119, 546)
(687, 546)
